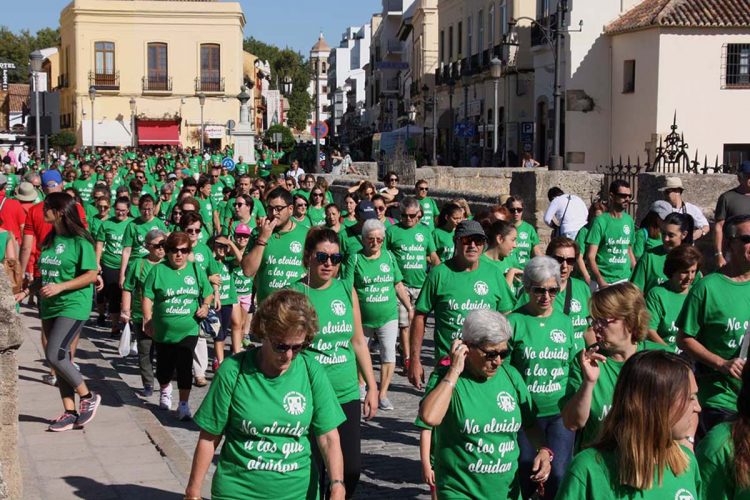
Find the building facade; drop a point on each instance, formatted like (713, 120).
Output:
(346, 75)
(148, 65)
(319, 56)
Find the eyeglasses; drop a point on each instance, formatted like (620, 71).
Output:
(541, 291)
(409, 216)
(193, 231)
(157, 246)
(477, 239)
(240, 204)
(375, 240)
(393, 179)
(103, 207)
(601, 323)
(300, 205)
(323, 257)
(623, 196)
(565, 260)
(238, 236)
(492, 355)
(182, 251)
(423, 188)
(516, 210)
(277, 208)
(380, 209)
(744, 238)
(284, 348)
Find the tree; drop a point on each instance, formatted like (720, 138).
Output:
(287, 140)
(63, 139)
(17, 48)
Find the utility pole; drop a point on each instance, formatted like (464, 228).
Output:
(317, 115)
(556, 161)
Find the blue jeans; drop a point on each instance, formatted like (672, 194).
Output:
(560, 440)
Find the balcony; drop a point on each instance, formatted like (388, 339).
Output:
(538, 35)
(209, 84)
(474, 66)
(161, 84)
(104, 81)
(62, 81)
(395, 47)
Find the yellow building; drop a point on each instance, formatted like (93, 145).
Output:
(149, 63)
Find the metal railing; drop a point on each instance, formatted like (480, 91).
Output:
(209, 84)
(157, 84)
(104, 81)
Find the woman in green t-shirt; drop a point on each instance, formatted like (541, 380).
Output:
(527, 242)
(447, 220)
(268, 403)
(595, 210)
(229, 313)
(333, 217)
(664, 302)
(476, 407)
(648, 234)
(67, 264)
(644, 449)
(299, 211)
(501, 243)
(340, 345)
(350, 205)
(316, 208)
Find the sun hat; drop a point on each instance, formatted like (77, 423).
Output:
(26, 192)
(672, 183)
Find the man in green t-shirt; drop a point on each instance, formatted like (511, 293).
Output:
(609, 250)
(85, 182)
(712, 324)
(427, 204)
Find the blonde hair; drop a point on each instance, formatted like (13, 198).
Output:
(623, 301)
(285, 312)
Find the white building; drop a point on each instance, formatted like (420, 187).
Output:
(346, 71)
(320, 53)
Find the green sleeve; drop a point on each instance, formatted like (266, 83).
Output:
(573, 487)
(347, 273)
(638, 278)
(398, 276)
(596, 233)
(425, 301)
(431, 247)
(534, 237)
(205, 286)
(690, 319)
(87, 259)
(100, 234)
(213, 414)
(655, 309)
(130, 275)
(327, 412)
(715, 471)
(148, 285)
(639, 245)
(435, 377)
(213, 267)
(129, 237)
(507, 299)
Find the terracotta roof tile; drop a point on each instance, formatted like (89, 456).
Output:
(18, 97)
(684, 14)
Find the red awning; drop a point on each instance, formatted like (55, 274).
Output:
(158, 132)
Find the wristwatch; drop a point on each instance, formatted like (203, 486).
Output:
(336, 481)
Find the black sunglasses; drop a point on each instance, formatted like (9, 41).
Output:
(565, 260)
(493, 355)
(323, 257)
(477, 239)
(283, 348)
(183, 251)
(516, 210)
(157, 246)
(540, 290)
(744, 238)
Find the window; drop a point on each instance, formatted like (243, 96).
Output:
(737, 65)
(460, 37)
(450, 43)
(157, 66)
(469, 37)
(542, 9)
(442, 47)
(210, 79)
(491, 25)
(105, 58)
(503, 18)
(480, 31)
(628, 76)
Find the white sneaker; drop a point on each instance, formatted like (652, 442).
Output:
(133, 348)
(183, 411)
(165, 398)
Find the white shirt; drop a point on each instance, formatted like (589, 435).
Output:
(570, 219)
(296, 174)
(694, 212)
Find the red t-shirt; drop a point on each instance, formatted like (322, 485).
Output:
(37, 227)
(12, 216)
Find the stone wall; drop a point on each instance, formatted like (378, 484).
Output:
(10, 340)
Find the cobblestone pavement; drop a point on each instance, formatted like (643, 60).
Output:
(390, 442)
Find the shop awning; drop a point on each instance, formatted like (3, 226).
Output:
(158, 132)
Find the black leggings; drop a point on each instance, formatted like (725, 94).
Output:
(349, 436)
(179, 356)
(112, 291)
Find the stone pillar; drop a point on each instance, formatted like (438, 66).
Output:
(244, 132)
(10, 340)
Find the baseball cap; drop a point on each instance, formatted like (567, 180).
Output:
(171, 176)
(52, 177)
(744, 167)
(365, 210)
(662, 208)
(469, 228)
(242, 229)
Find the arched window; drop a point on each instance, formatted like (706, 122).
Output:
(157, 66)
(210, 79)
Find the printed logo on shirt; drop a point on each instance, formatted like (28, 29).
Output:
(575, 306)
(338, 308)
(60, 248)
(626, 229)
(199, 258)
(189, 280)
(385, 268)
(295, 403)
(295, 247)
(505, 401)
(683, 494)
(557, 336)
(419, 237)
(481, 288)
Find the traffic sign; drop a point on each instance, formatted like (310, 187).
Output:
(319, 129)
(228, 163)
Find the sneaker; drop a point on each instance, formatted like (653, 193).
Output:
(246, 341)
(183, 411)
(133, 348)
(201, 382)
(87, 409)
(49, 379)
(165, 398)
(64, 422)
(215, 365)
(76, 366)
(385, 404)
(147, 391)
(101, 320)
(362, 392)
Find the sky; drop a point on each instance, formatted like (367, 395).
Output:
(292, 23)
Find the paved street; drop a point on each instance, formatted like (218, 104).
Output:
(145, 452)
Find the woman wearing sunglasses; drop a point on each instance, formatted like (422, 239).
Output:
(243, 205)
(340, 345)
(541, 350)
(316, 211)
(620, 324)
(476, 407)
(527, 243)
(299, 211)
(132, 308)
(176, 296)
(269, 404)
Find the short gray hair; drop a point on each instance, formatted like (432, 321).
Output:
(371, 225)
(409, 202)
(485, 327)
(540, 269)
(153, 234)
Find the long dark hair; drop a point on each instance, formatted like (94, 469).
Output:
(686, 224)
(70, 222)
(316, 236)
(447, 211)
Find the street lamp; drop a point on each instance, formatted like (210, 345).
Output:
(316, 129)
(496, 71)
(132, 121)
(465, 82)
(92, 96)
(286, 85)
(202, 102)
(36, 66)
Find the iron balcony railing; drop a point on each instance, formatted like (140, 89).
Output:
(104, 81)
(209, 84)
(157, 83)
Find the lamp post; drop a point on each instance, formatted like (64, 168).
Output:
(202, 102)
(316, 62)
(36, 67)
(286, 89)
(411, 116)
(465, 82)
(92, 96)
(425, 90)
(451, 90)
(496, 71)
(132, 122)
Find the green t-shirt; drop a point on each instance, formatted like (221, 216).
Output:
(85, 187)
(643, 243)
(649, 270)
(593, 475)
(444, 244)
(411, 247)
(475, 448)
(664, 305)
(525, 242)
(601, 399)
(227, 290)
(281, 264)
(135, 277)
(177, 295)
(67, 258)
(243, 285)
(715, 454)
(541, 351)
(111, 232)
(429, 211)
(717, 313)
(332, 346)
(452, 294)
(217, 192)
(350, 240)
(135, 235)
(267, 424)
(374, 280)
(317, 215)
(304, 221)
(204, 258)
(613, 236)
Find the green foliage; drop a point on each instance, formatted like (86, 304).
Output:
(63, 139)
(17, 48)
(286, 62)
(287, 141)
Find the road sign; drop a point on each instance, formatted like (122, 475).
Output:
(228, 163)
(230, 125)
(319, 129)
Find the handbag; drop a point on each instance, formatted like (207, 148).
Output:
(124, 347)
(211, 325)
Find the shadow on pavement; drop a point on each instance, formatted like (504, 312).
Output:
(90, 489)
